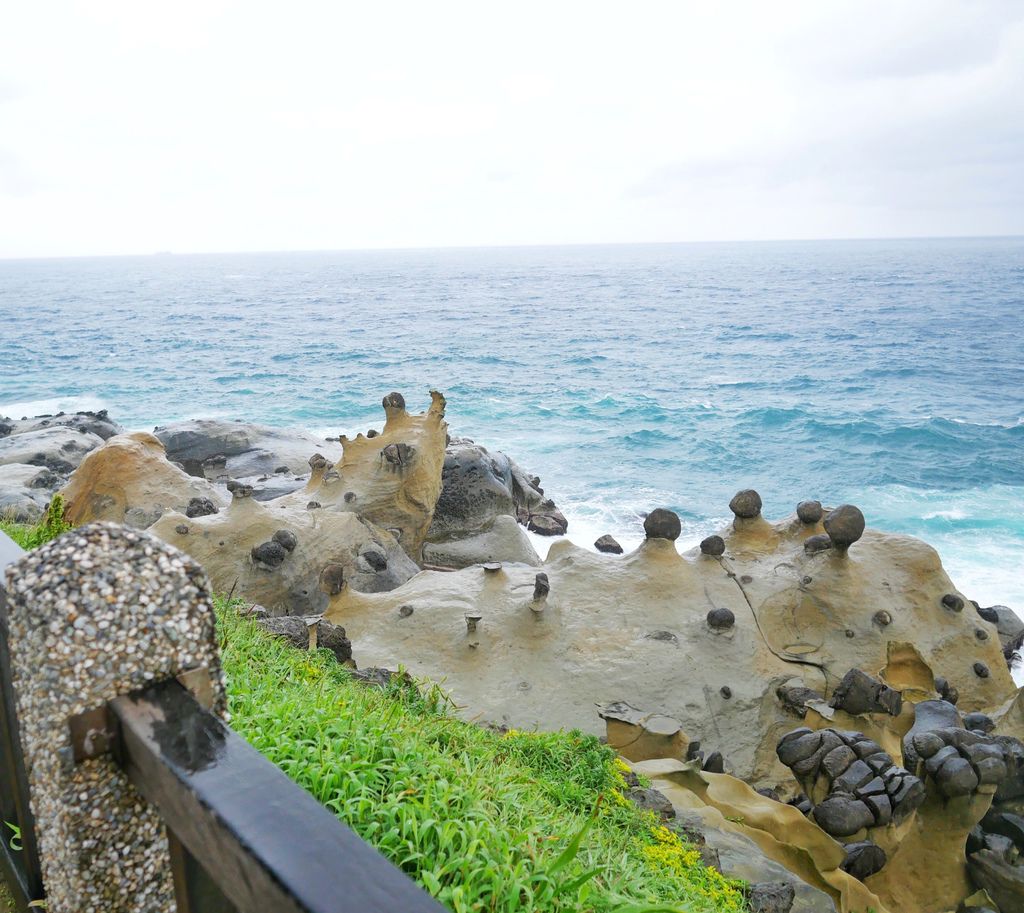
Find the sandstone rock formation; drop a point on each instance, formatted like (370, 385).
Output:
(637, 627)
(276, 554)
(129, 480)
(59, 449)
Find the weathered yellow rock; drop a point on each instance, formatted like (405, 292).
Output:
(129, 480)
(635, 628)
(392, 479)
(274, 553)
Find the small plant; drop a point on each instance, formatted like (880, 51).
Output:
(52, 524)
(15, 841)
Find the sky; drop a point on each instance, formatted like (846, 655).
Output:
(130, 127)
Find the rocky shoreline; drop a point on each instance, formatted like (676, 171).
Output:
(811, 689)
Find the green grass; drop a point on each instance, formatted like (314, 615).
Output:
(516, 822)
(32, 535)
(485, 821)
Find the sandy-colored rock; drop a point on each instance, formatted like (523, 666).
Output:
(274, 554)
(392, 479)
(635, 628)
(129, 480)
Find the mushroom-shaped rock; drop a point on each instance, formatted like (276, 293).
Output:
(609, 545)
(721, 619)
(746, 504)
(541, 586)
(713, 546)
(393, 401)
(809, 512)
(662, 524)
(844, 526)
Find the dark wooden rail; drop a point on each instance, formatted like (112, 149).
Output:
(243, 837)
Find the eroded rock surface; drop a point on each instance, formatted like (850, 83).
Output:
(210, 448)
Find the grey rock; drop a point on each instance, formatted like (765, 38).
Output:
(25, 491)
(503, 539)
(818, 543)
(859, 693)
(713, 546)
(608, 545)
(721, 619)
(245, 449)
(863, 859)
(652, 800)
(200, 507)
(809, 512)
(59, 449)
(98, 423)
(842, 816)
(746, 504)
(771, 897)
(1003, 881)
(272, 554)
(661, 523)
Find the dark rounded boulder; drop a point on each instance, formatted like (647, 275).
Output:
(200, 507)
(844, 526)
(712, 545)
(394, 401)
(608, 545)
(809, 512)
(286, 539)
(662, 524)
(818, 543)
(863, 859)
(332, 579)
(988, 613)
(721, 619)
(272, 554)
(746, 504)
(953, 602)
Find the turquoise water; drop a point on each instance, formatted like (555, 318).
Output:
(889, 374)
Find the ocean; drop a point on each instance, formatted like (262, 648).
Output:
(888, 374)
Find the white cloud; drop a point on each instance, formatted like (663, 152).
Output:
(128, 127)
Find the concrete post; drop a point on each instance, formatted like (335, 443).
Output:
(98, 613)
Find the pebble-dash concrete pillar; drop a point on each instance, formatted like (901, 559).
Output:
(98, 613)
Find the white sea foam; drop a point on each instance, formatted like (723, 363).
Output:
(51, 406)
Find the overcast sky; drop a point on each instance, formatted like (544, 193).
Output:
(130, 127)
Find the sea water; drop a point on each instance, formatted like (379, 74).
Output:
(887, 374)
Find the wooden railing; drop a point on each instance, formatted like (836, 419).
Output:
(242, 837)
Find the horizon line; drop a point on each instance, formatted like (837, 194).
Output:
(509, 246)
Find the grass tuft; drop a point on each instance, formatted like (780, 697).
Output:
(32, 535)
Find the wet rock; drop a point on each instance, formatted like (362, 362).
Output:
(859, 693)
(721, 619)
(503, 540)
(608, 545)
(842, 816)
(809, 512)
(713, 545)
(863, 859)
(746, 504)
(662, 524)
(979, 722)
(844, 526)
